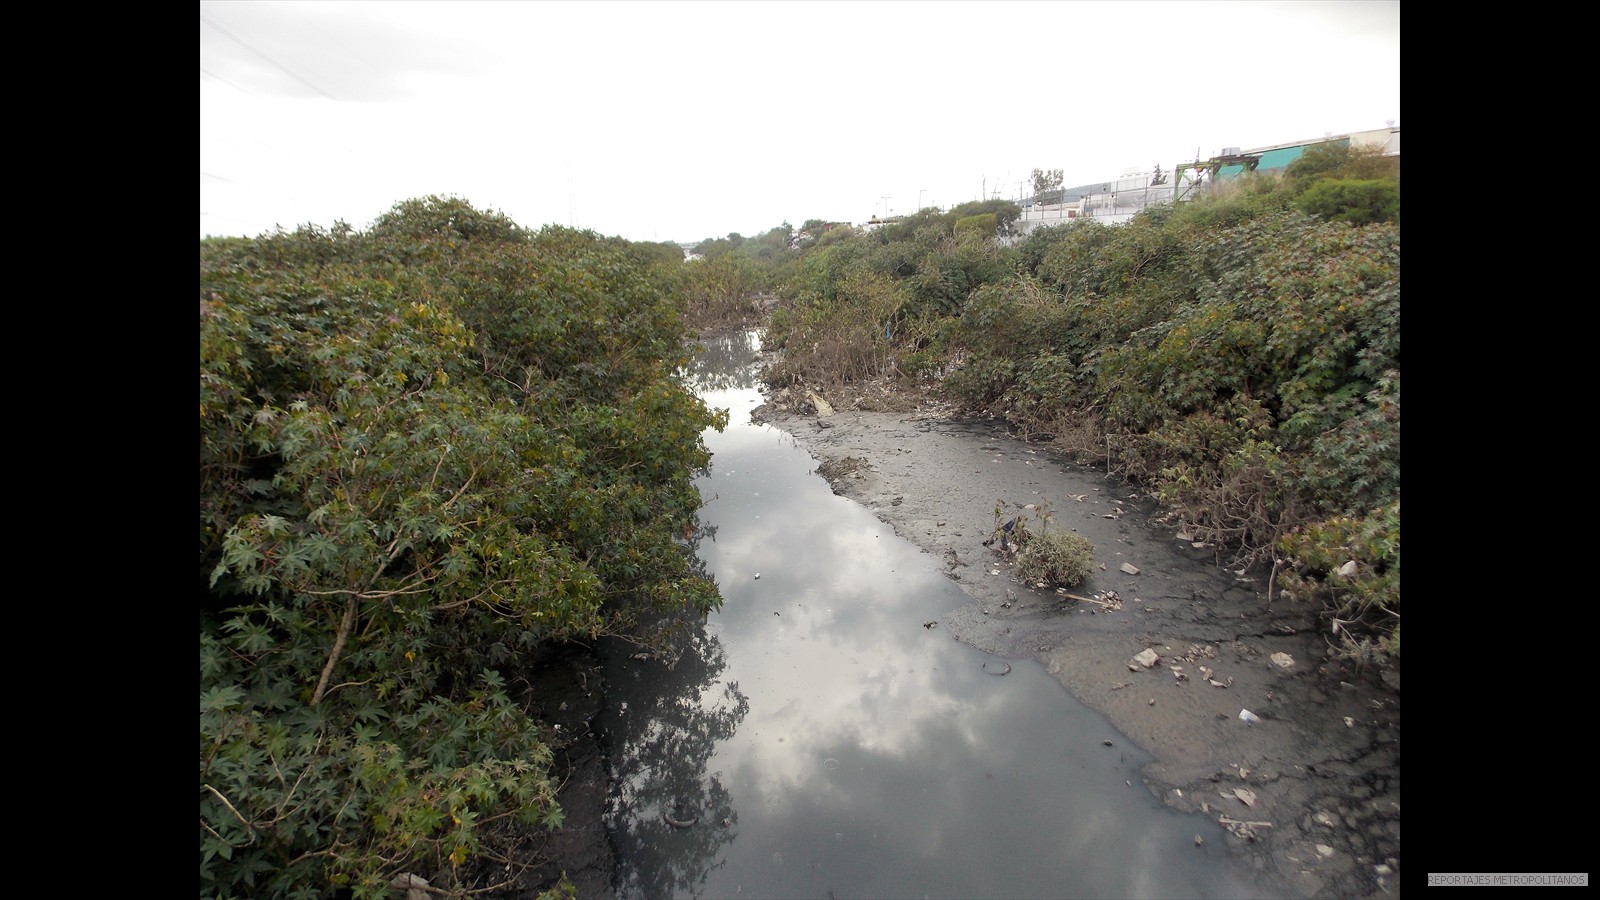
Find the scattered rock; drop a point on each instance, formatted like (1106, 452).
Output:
(1129, 568)
(1146, 658)
(758, 576)
(415, 886)
(1284, 660)
(1199, 841)
(1324, 850)
(1349, 569)
(1245, 795)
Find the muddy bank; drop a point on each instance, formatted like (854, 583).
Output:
(1310, 791)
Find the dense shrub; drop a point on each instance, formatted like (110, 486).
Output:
(724, 292)
(1359, 202)
(1352, 564)
(426, 451)
(982, 225)
(1238, 353)
(845, 340)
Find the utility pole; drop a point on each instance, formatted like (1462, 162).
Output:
(920, 192)
(885, 199)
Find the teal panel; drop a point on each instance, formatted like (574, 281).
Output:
(1279, 159)
(1227, 172)
(1273, 160)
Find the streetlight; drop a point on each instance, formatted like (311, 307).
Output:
(920, 192)
(885, 199)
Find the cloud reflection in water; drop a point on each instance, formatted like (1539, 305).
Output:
(944, 780)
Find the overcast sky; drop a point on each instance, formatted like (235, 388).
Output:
(666, 120)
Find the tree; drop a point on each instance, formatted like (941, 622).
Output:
(1046, 180)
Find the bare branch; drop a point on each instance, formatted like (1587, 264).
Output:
(242, 820)
(338, 647)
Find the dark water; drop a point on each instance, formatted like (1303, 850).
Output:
(818, 740)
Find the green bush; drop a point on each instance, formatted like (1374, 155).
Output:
(426, 452)
(1239, 353)
(1062, 558)
(983, 224)
(844, 340)
(1351, 564)
(1357, 201)
(1335, 181)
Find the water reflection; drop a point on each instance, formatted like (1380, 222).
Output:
(724, 363)
(823, 739)
(670, 819)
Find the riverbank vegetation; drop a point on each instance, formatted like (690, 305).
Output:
(427, 450)
(435, 447)
(1239, 354)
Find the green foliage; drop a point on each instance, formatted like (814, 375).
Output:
(1061, 558)
(1006, 213)
(723, 292)
(947, 270)
(1045, 181)
(648, 253)
(772, 244)
(1031, 251)
(426, 451)
(1239, 353)
(1337, 159)
(1352, 565)
(1359, 202)
(921, 227)
(1234, 353)
(981, 225)
(845, 339)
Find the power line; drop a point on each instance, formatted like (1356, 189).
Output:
(269, 60)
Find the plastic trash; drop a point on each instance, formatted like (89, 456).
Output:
(1248, 717)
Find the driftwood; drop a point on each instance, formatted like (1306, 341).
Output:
(1103, 604)
(1227, 821)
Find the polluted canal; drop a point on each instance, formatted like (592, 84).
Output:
(822, 736)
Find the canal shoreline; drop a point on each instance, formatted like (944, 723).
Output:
(1308, 790)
